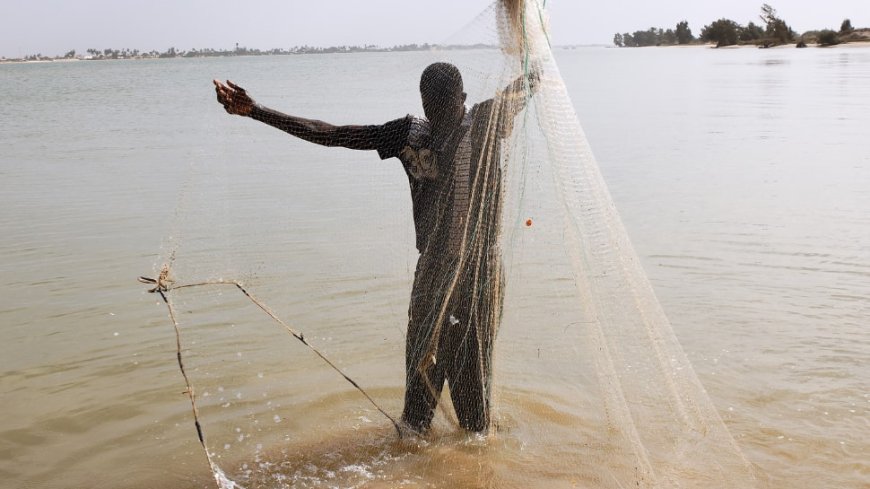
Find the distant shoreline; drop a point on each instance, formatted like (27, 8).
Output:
(727, 33)
(856, 44)
(171, 53)
(44, 60)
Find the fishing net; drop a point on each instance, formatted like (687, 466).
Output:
(495, 329)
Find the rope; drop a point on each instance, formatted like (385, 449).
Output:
(163, 285)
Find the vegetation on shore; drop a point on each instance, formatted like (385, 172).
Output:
(773, 31)
(104, 54)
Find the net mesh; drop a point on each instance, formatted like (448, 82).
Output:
(532, 352)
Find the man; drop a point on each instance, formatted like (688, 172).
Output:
(452, 160)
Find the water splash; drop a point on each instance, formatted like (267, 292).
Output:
(223, 482)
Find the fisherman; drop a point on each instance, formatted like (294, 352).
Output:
(452, 160)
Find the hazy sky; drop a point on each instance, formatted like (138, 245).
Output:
(53, 27)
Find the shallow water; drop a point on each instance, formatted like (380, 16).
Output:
(742, 176)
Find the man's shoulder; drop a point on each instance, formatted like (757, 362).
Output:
(409, 126)
(481, 108)
(400, 134)
(418, 132)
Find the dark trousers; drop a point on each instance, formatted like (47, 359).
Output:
(458, 348)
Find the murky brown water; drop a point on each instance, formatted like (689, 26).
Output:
(743, 178)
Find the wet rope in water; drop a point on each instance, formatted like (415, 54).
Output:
(163, 285)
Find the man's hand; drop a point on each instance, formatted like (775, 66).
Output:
(534, 76)
(234, 98)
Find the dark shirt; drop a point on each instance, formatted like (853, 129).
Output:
(441, 177)
(431, 170)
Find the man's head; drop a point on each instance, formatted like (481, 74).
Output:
(442, 94)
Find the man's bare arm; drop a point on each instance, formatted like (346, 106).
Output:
(237, 101)
(511, 100)
(518, 86)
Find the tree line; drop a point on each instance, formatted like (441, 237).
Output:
(172, 52)
(772, 31)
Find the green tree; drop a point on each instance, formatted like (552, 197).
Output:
(668, 38)
(827, 37)
(628, 40)
(646, 38)
(684, 34)
(846, 26)
(777, 30)
(751, 32)
(617, 40)
(723, 32)
(169, 53)
(768, 14)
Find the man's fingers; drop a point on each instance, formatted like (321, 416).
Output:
(235, 87)
(220, 87)
(227, 95)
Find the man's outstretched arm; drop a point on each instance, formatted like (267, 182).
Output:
(510, 101)
(237, 101)
(531, 79)
(515, 96)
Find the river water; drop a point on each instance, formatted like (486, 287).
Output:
(742, 176)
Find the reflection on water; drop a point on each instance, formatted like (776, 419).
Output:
(741, 176)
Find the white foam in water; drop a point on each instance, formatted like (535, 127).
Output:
(223, 482)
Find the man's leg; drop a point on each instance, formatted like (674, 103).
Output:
(422, 389)
(471, 343)
(470, 378)
(422, 386)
